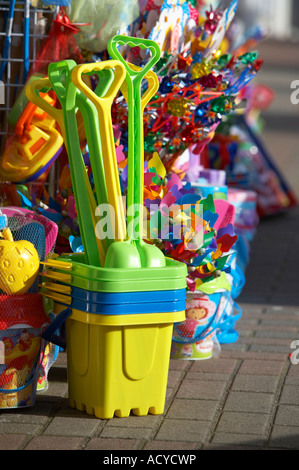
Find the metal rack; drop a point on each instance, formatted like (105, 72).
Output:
(39, 22)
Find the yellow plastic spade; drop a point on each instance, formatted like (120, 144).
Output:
(102, 98)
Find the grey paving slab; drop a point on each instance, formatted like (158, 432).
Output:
(234, 422)
(183, 430)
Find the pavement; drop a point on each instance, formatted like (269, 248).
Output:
(247, 398)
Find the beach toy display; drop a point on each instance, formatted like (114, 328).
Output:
(22, 322)
(106, 302)
(135, 244)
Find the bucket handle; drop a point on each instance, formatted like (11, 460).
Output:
(37, 369)
(50, 332)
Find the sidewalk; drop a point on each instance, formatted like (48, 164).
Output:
(247, 398)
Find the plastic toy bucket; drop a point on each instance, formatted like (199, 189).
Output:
(22, 322)
(72, 270)
(109, 298)
(116, 363)
(194, 338)
(117, 303)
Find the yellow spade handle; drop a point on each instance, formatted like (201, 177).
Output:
(103, 106)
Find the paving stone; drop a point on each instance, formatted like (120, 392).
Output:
(148, 421)
(72, 426)
(214, 365)
(12, 441)
(243, 423)
(254, 356)
(279, 309)
(261, 367)
(170, 445)
(183, 429)
(270, 347)
(27, 417)
(196, 389)
(174, 378)
(290, 395)
(275, 332)
(238, 440)
(206, 376)
(285, 437)
(249, 402)
(102, 443)
(192, 409)
(255, 383)
(126, 433)
(292, 377)
(55, 443)
(214, 447)
(178, 364)
(20, 428)
(288, 415)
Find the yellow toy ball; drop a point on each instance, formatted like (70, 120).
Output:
(19, 264)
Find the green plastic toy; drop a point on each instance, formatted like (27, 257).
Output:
(134, 252)
(72, 270)
(66, 119)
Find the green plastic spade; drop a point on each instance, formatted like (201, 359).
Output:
(86, 205)
(60, 79)
(148, 255)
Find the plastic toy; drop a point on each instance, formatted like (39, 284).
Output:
(135, 252)
(73, 270)
(34, 147)
(116, 297)
(66, 118)
(117, 303)
(138, 360)
(19, 264)
(111, 75)
(21, 324)
(21, 214)
(115, 308)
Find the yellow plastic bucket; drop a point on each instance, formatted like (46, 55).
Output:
(118, 363)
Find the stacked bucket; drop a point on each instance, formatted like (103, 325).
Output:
(118, 332)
